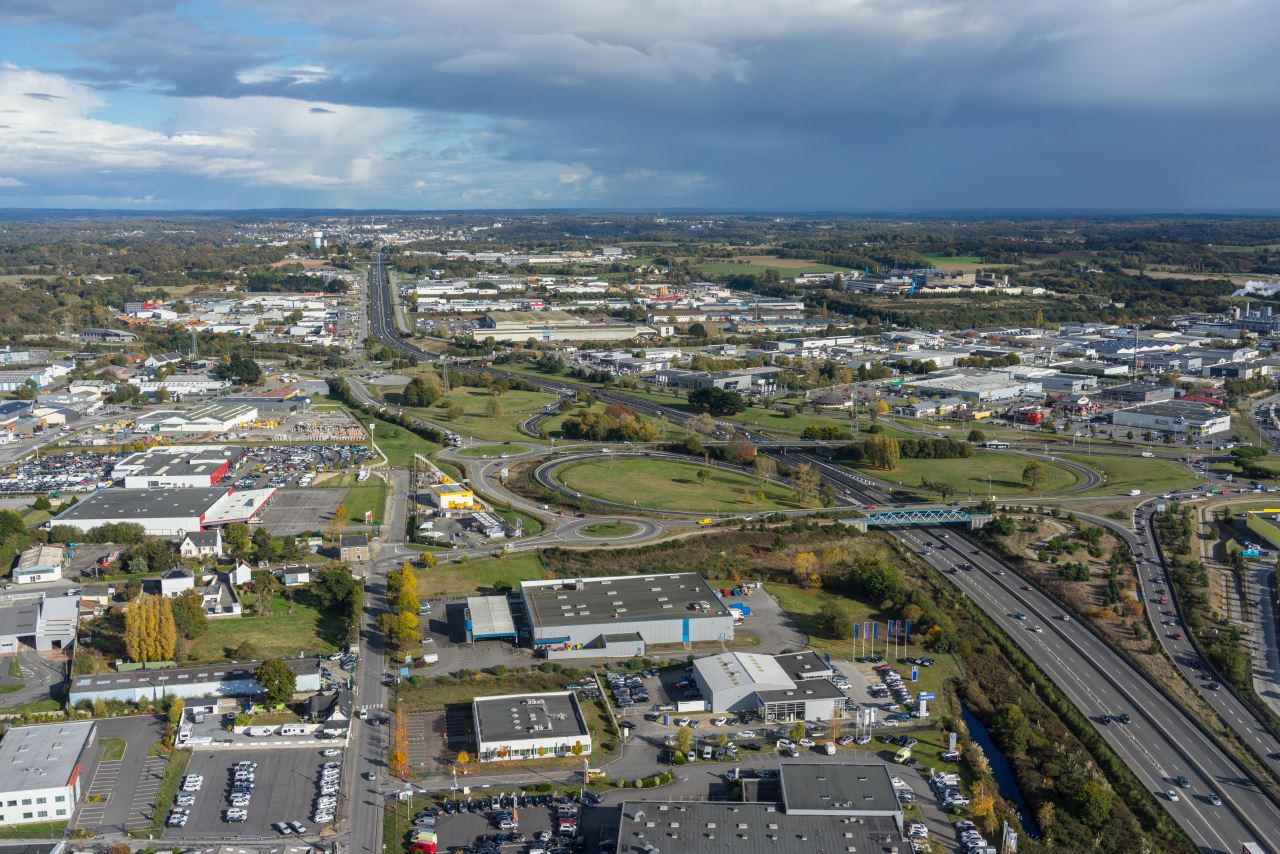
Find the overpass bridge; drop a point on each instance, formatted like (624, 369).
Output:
(907, 517)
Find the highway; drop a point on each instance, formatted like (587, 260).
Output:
(1161, 743)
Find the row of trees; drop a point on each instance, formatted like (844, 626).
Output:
(400, 622)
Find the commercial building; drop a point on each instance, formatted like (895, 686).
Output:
(520, 326)
(529, 726)
(451, 496)
(1139, 392)
(828, 807)
(165, 512)
(210, 680)
(40, 771)
(1180, 417)
(39, 622)
(177, 465)
(621, 615)
(39, 564)
(792, 687)
(746, 380)
(489, 618)
(975, 385)
(213, 418)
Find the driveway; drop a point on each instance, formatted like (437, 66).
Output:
(120, 794)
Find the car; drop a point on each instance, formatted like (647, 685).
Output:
(745, 734)
(236, 814)
(720, 721)
(369, 775)
(1018, 615)
(1176, 636)
(282, 828)
(185, 799)
(1172, 795)
(1124, 718)
(864, 739)
(331, 751)
(1104, 719)
(1183, 782)
(784, 744)
(845, 740)
(807, 742)
(1037, 629)
(681, 721)
(1214, 799)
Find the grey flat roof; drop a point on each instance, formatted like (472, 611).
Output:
(125, 505)
(702, 827)
(809, 689)
(490, 617)
(202, 674)
(801, 666)
(620, 598)
(19, 619)
(178, 462)
(841, 788)
(1177, 409)
(516, 717)
(43, 756)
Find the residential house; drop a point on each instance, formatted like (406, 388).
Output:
(202, 544)
(353, 548)
(220, 597)
(177, 581)
(333, 711)
(293, 576)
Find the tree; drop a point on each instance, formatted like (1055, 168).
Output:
(702, 475)
(236, 539)
(42, 502)
(741, 451)
(881, 408)
(804, 480)
(765, 467)
(977, 437)
(717, 401)
(463, 757)
(423, 390)
(883, 452)
(399, 759)
(804, 566)
(797, 731)
(982, 804)
(188, 614)
(1033, 475)
(697, 330)
(493, 408)
(26, 391)
(162, 394)
(241, 370)
(266, 585)
(277, 680)
(702, 423)
(835, 620)
(149, 630)
(684, 739)
(453, 411)
(1092, 803)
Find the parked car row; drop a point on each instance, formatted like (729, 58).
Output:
(328, 784)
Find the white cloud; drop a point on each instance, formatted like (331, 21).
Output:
(294, 75)
(6, 181)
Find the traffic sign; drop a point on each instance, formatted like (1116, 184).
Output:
(928, 695)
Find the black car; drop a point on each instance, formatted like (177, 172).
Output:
(750, 745)
(627, 725)
(1124, 719)
(1104, 720)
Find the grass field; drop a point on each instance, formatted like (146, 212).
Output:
(604, 530)
(169, 781)
(468, 577)
(399, 444)
(112, 749)
(370, 495)
(306, 630)
(528, 524)
(969, 475)
(944, 261)
(755, 268)
(804, 605)
(34, 830)
(662, 484)
(475, 424)
(1126, 473)
(483, 451)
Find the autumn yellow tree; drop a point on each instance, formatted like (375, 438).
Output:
(804, 566)
(399, 762)
(982, 805)
(149, 630)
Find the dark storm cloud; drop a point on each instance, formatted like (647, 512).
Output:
(874, 104)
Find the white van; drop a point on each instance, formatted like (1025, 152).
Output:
(258, 731)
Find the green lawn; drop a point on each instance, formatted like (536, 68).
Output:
(733, 268)
(604, 530)
(15, 669)
(174, 769)
(307, 630)
(112, 749)
(942, 260)
(474, 423)
(31, 708)
(370, 495)
(663, 484)
(469, 577)
(970, 475)
(398, 443)
(528, 524)
(1126, 473)
(36, 830)
(495, 451)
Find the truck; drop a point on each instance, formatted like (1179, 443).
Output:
(1148, 454)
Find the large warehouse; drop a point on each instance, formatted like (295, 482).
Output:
(39, 622)
(619, 615)
(172, 513)
(40, 771)
(212, 418)
(177, 465)
(206, 680)
(529, 726)
(1179, 417)
(792, 687)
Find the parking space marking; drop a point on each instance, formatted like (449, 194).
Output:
(144, 795)
(105, 777)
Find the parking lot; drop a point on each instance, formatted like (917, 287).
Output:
(296, 464)
(80, 472)
(297, 511)
(284, 790)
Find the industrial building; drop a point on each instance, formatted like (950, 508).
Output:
(208, 680)
(827, 806)
(40, 771)
(975, 385)
(621, 615)
(213, 418)
(745, 380)
(1180, 417)
(1136, 392)
(177, 465)
(39, 564)
(520, 326)
(39, 622)
(529, 726)
(451, 496)
(792, 687)
(165, 512)
(489, 618)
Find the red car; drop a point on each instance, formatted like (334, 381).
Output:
(1176, 635)
(1027, 587)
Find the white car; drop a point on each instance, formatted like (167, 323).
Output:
(784, 744)
(807, 742)
(1172, 795)
(236, 814)
(745, 734)
(682, 721)
(332, 751)
(322, 817)
(720, 721)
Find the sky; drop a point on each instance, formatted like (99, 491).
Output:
(769, 105)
